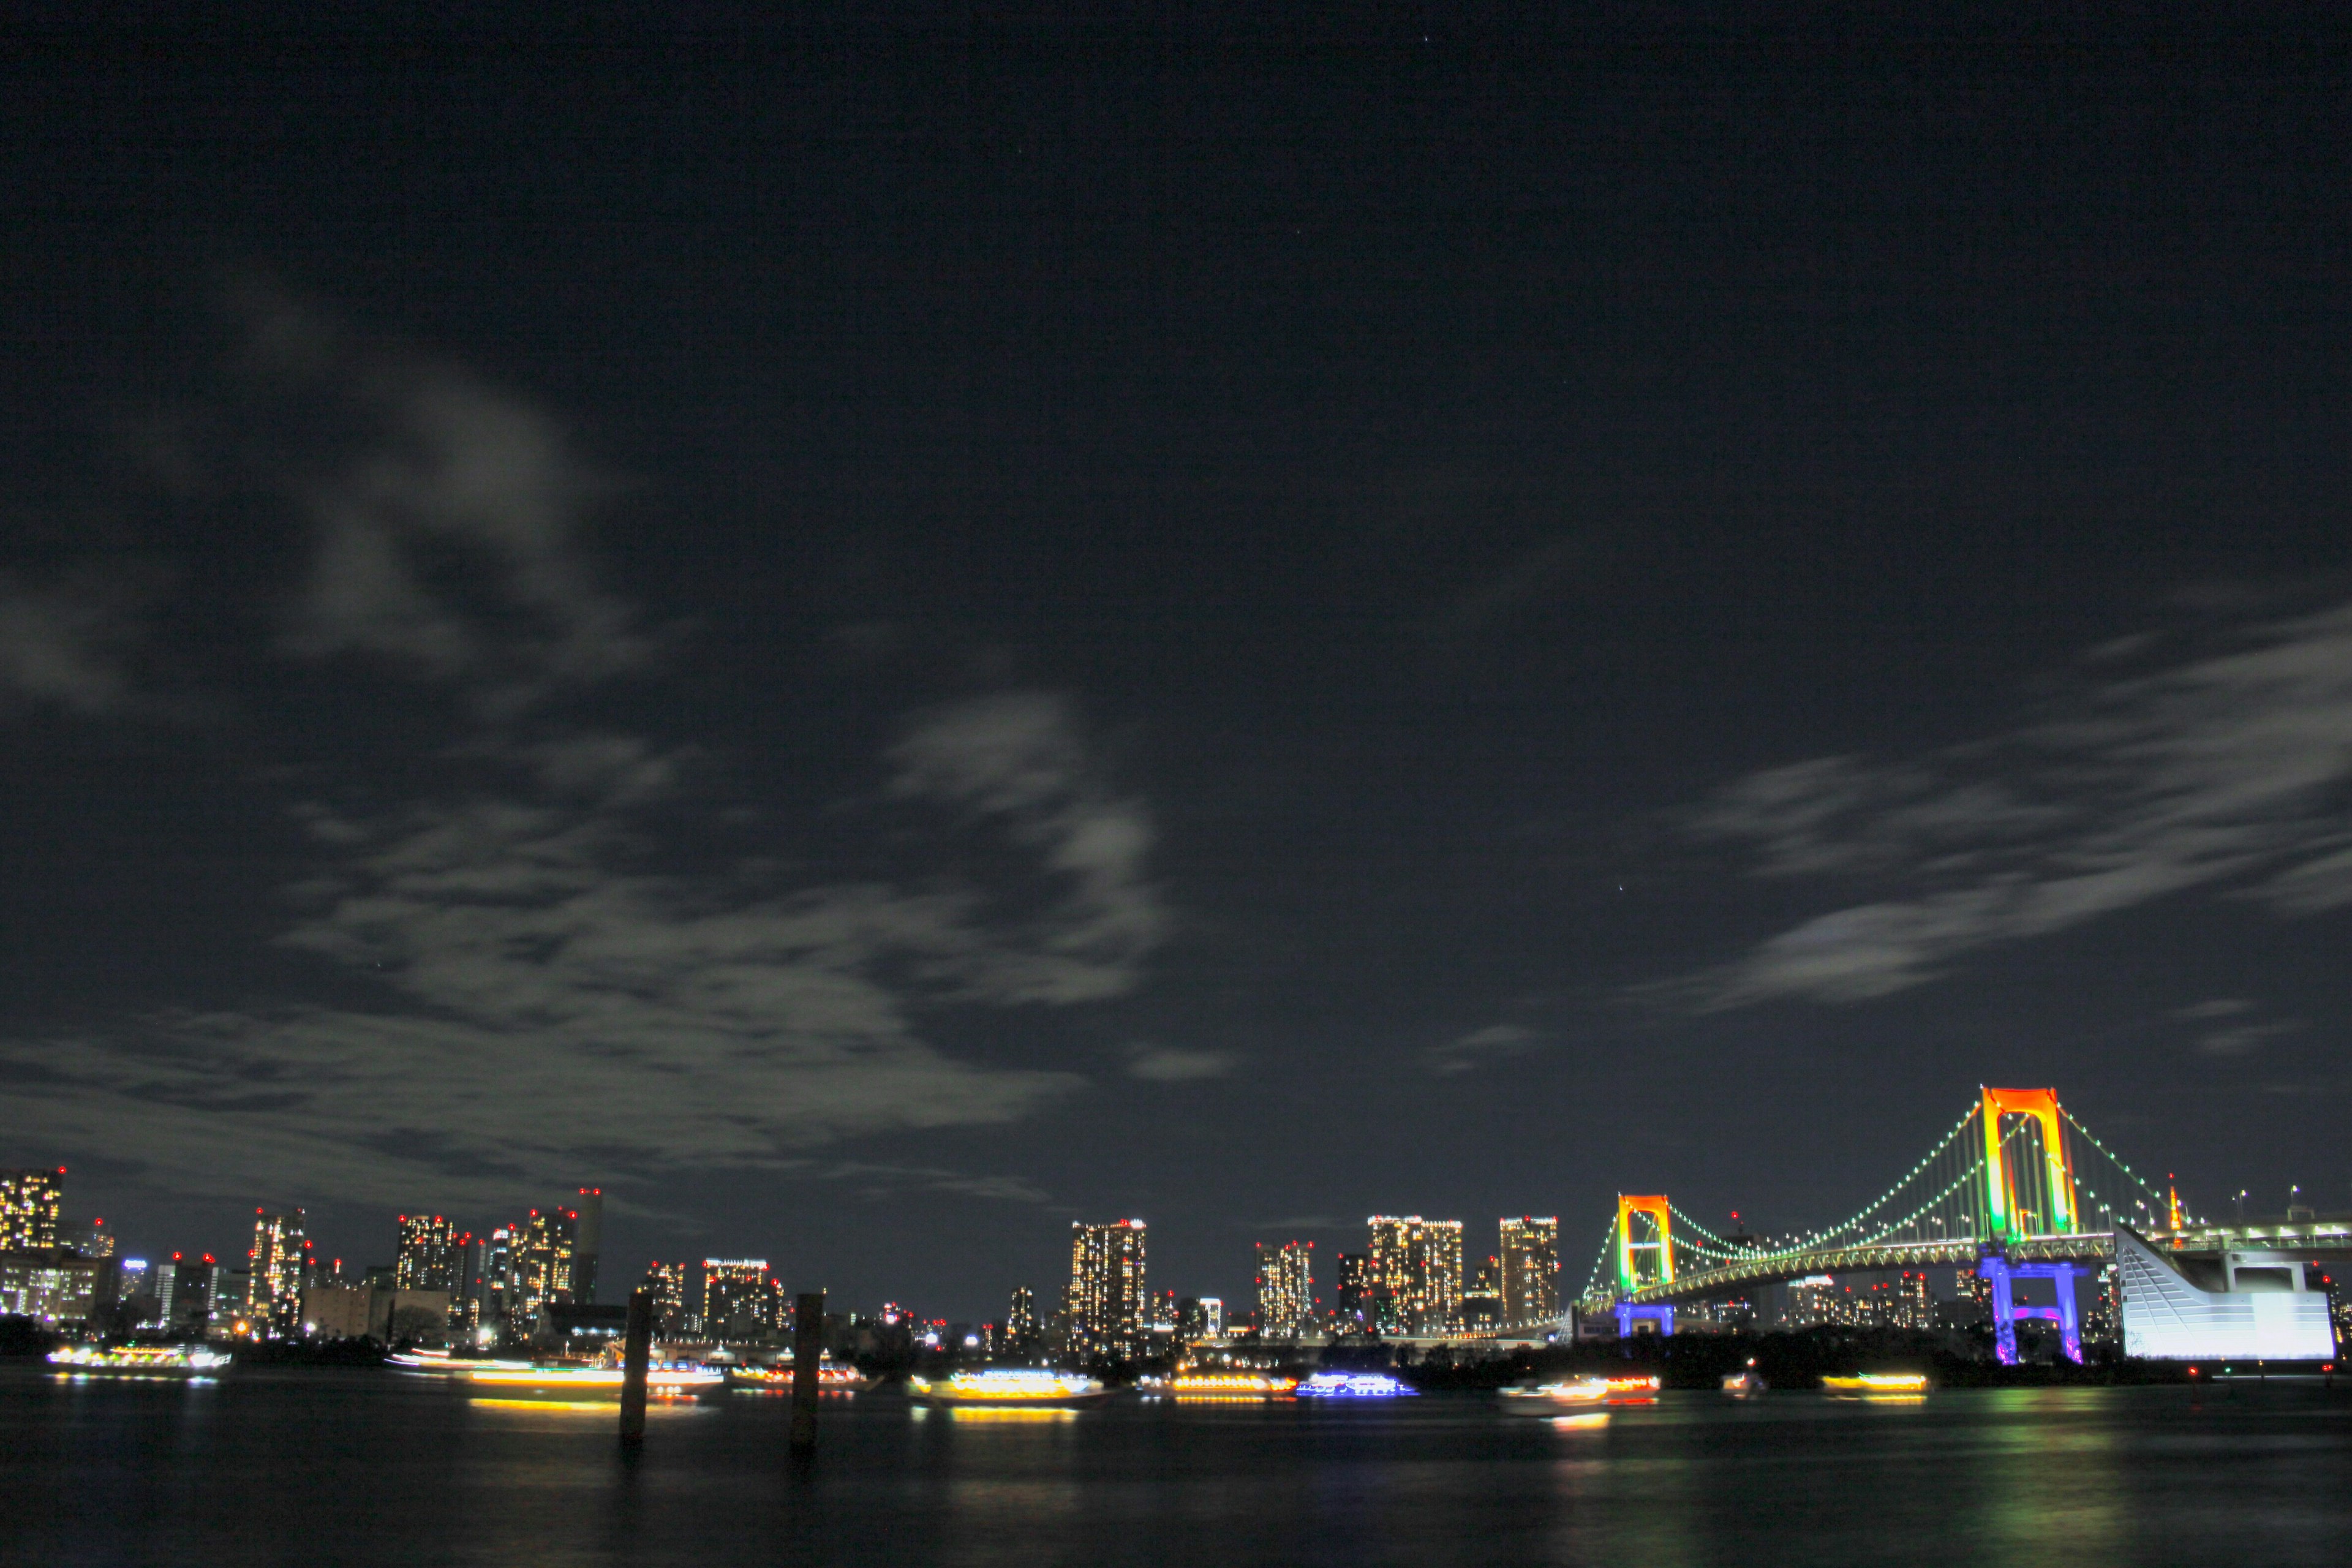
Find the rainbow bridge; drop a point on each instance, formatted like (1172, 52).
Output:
(2005, 1192)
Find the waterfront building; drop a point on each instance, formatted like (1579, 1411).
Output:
(1212, 1317)
(2258, 1304)
(539, 1270)
(1105, 1301)
(52, 1286)
(1810, 1301)
(1482, 1297)
(427, 1255)
(1286, 1289)
(1419, 1265)
(587, 1242)
(231, 1293)
(29, 1202)
(667, 1282)
(1530, 1259)
(738, 1298)
(280, 1266)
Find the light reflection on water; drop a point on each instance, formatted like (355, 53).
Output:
(374, 1468)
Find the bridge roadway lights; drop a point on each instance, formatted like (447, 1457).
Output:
(2006, 1312)
(1628, 1314)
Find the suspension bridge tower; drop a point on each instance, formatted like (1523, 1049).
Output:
(1645, 1256)
(2013, 1190)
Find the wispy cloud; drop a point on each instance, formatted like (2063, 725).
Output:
(446, 523)
(63, 645)
(1174, 1064)
(2229, 771)
(1479, 1047)
(1019, 758)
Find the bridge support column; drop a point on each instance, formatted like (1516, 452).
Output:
(2006, 1314)
(1628, 1314)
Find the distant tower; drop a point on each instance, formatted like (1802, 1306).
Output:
(1107, 1299)
(29, 1200)
(1355, 1302)
(280, 1269)
(587, 1243)
(1530, 1270)
(1286, 1289)
(1020, 1322)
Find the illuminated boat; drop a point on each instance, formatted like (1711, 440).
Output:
(1576, 1391)
(829, 1379)
(1030, 1386)
(1354, 1385)
(1228, 1386)
(141, 1361)
(1743, 1384)
(661, 1382)
(1882, 1384)
(438, 1363)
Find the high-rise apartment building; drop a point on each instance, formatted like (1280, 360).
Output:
(1022, 1329)
(427, 1256)
(587, 1242)
(1286, 1289)
(29, 1202)
(1531, 1258)
(280, 1268)
(541, 1270)
(1357, 1295)
(738, 1298)
(1419, 1264)
(98, 1241)
(1106, 1303)
(667, 1282)
(494, 1279)
(1482, 1297)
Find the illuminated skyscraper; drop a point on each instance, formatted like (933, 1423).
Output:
(667, 1282)
(29, 1200)
(1286, 1289)
(541, 1268)
(496, 1279)
(279, 1263)
(1530, 1258)
(1419, 1265)
(98, 1242)
(587, 1242)
(427, 1256)
(1356, 1301)
(739, 1299)
(1106, 1304)
(1022, 1329)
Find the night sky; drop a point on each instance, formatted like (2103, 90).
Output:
(881, 637)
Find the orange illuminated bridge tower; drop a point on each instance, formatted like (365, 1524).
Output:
(2008, 1181)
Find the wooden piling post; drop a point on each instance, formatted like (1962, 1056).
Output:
(636, 1352)
(808, 1351)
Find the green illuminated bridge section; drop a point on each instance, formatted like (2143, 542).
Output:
(1729, 1278)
